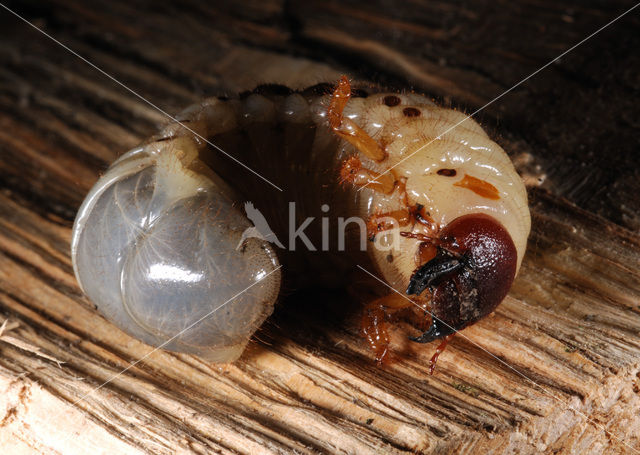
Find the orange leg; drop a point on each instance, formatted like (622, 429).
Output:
(375, 323)
(427, 248)
(374, 328)
(346, 128)
(353, 172)
(439, 350)
(377, 223)
(404, 216)
(383, 222)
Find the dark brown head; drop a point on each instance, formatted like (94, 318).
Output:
(470, 275)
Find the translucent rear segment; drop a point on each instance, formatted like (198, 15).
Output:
(168, 271)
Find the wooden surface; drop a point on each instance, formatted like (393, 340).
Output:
(555, 370)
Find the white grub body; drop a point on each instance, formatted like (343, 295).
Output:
(154, 243)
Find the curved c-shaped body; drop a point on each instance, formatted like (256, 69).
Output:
(157, 242)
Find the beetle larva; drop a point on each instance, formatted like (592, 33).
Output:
(158, 243)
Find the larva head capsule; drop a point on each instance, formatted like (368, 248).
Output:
(156, 246)
(473, 268)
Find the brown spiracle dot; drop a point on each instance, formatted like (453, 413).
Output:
(411, 112)
(447, 172)
(391, 100)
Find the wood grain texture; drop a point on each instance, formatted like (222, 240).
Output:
(554, 370)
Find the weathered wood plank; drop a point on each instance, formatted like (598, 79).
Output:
(308, 385)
